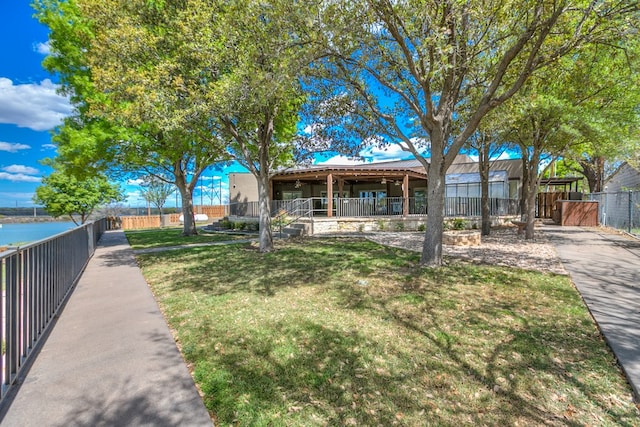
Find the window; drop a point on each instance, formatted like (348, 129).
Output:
(291, 195)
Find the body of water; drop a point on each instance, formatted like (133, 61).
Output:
(14, 234)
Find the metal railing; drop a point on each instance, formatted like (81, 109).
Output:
(386, 206)
(287, 212)
(619, 210)
(36, 280)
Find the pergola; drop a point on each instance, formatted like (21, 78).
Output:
(340, 175)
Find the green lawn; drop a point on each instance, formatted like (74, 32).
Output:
(163, 237)
(332, 332)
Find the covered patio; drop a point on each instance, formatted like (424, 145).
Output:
(360, 190)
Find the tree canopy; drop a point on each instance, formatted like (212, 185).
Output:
(63, 194)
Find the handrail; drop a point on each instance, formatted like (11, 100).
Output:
(298, 213)
(38, 278)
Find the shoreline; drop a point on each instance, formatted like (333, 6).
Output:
(28, 219)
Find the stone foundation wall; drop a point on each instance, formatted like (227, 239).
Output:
(351, 224)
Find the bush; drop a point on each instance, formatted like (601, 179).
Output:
(399, 226)
(422, 227)
(455, 224)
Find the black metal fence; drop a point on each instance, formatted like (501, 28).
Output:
(386, 206)
(36, 280)
(619, 210)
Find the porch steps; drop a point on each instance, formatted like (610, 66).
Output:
(295, 229)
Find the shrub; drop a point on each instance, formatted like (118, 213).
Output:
(459, 224)
(399, 226)
(422, 227)
(455, 224)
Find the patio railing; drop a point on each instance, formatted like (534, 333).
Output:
(387, 206)
(36, 280)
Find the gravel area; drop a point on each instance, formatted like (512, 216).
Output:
(503, 247)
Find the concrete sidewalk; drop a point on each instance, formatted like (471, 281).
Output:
(605, 267)
(110, 359)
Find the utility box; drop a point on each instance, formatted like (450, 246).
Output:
(576, 212)
(165, 220)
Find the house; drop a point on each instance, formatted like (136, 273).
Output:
(625, 178)
(384, 188)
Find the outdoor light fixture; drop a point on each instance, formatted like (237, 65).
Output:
(298, 184)
(384, 181)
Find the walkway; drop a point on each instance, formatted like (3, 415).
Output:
(110, 358)
(605, 268)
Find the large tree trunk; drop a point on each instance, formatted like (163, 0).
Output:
(532, 182)
(432, 247)
(525, 184)
(263, 177)
(189, 227)
(483, 165)
(264, 204)
(189, 224)
(593, 170)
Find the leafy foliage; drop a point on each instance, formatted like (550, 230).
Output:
(64, 195)
(424, 74)
(156, 191)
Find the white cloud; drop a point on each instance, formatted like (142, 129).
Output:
(134, 198)
(18, 177)
(12, 147)
(35, 106)
(385, 153)
(341, 160)
(370, 154)
(21, 169)
(49, 146)
(43, 48)
(137, 181)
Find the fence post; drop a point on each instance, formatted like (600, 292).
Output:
(630, 217)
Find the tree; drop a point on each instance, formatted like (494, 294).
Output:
(62, 194)
(484, 142)
(196, 92)
(156, 191)
(137, 103)
(579, 108)
(258, 98)
(606, 85)
(400, 72)
(543, 126)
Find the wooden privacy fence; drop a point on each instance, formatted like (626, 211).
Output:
(154, 221)
(212, 211)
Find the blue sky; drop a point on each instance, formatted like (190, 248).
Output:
(29, 104)
(30, 108)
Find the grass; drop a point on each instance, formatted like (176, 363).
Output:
(163, 237)
(348, 332)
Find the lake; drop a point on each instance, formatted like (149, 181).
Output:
(11, 234)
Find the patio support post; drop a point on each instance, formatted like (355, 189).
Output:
(329, 195)
(340, 188)
(405, 195)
